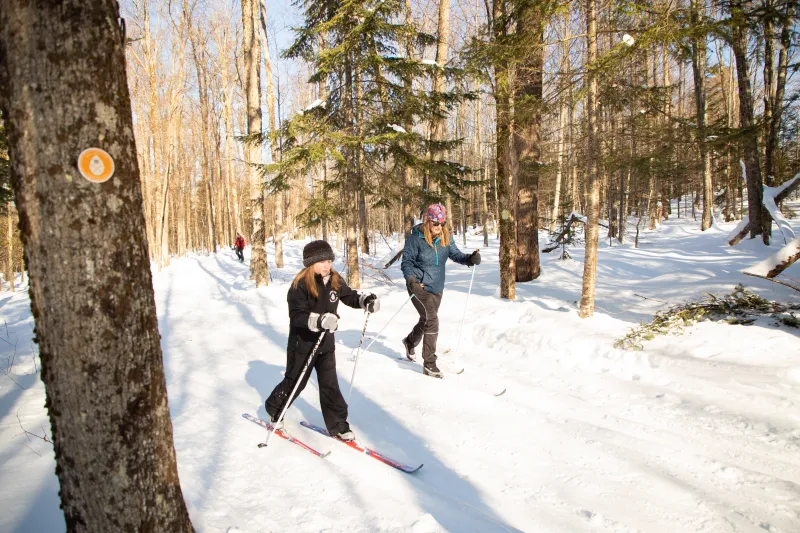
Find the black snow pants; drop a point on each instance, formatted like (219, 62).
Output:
(334, 407)
(427, 329)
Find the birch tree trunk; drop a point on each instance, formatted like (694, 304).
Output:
(592, 193)
(86, 251)
(566, 67)
(250, 49)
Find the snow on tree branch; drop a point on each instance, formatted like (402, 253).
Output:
(777, 262)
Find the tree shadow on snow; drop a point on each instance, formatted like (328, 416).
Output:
(455, 503)
(44, 513)
(179, 374)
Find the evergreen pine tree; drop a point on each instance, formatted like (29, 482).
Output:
(355, 48)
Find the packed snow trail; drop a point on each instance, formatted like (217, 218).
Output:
(588, 436)
(699, 432)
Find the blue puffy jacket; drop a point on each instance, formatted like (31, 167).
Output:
(427, 262)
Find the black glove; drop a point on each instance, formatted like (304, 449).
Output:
(411, 282)
(474, 258)
(372, 304)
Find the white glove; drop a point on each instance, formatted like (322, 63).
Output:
(328, 321)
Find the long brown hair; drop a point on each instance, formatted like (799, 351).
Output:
(307, 275)
(444, 235)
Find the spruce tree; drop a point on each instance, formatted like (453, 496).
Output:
(355, 48)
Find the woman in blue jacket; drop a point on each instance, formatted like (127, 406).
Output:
(425, 254)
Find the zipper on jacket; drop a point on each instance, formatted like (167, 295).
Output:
(436, 250)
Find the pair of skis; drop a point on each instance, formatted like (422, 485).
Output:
(352, 444)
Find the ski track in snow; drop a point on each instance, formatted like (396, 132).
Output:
(697, 432)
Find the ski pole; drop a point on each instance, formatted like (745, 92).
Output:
(389, 322)
(355, 365)
(458, 343)
(296, 385)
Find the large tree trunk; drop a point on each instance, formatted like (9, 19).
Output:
(528, 120)
(750, 135)
(699, 70)
(252, 85)
(86, 252)
(593, 193)
(505, 179)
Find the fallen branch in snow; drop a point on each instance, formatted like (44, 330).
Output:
(395, 258)
(771, 203)
(649, 297)
(563, 234)
(735, 308)
(779, 282)
(379, 274)
(777, 263)
(772, 197)
(739, 232)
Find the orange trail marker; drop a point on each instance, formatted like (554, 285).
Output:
(95, 165)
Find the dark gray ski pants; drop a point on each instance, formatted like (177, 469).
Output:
(427, 329)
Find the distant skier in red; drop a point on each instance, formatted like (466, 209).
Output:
(239, 246)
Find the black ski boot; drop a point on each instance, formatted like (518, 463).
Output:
(410, 355)
(430, 369)
(273, 419)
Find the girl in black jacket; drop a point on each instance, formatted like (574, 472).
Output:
(313, 299)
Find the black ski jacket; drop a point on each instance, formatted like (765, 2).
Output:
(302, 305)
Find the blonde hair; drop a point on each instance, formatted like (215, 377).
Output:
(444, 236)
(307, 275)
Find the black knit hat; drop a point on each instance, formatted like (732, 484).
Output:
(316, 251)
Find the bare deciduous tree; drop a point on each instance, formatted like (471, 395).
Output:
(252, 86)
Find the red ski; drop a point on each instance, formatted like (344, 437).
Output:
(367, 451)
(283, 435)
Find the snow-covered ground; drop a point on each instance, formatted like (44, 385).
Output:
(696, 433)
